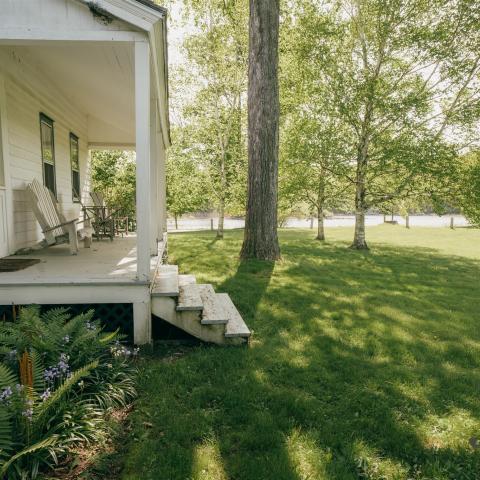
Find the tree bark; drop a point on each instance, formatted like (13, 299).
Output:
(321, 227)
(320, 212)
(260, 239)
(221, 203)
(176, 222)
(221, 217)
(359, 241)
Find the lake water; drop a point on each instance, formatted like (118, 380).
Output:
(192, 223)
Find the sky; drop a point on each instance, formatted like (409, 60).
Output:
(177, 30)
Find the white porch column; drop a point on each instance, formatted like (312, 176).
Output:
(142, 132)
(154, 205)
(161, 187)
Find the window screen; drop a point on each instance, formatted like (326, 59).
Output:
(75, 162)
(48, 152)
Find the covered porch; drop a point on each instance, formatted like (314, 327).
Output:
(101, 78)
(105, 262)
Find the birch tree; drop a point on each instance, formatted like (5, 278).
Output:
(217, 56)
(402, 76)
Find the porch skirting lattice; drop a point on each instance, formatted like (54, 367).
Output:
(113, 316)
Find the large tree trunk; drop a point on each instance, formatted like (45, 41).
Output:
(261, 240)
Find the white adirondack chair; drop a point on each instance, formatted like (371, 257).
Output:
(56, 228)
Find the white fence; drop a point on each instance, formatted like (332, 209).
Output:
(192, 223)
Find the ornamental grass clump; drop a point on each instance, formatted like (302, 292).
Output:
(60, 379)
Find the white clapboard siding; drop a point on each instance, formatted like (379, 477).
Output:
(53, 14)
(29, 91)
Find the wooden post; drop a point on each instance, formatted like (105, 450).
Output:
(161, 185)
(154, 203)
(142, 132)
(451, 223)
(311, 223)
(142, 322)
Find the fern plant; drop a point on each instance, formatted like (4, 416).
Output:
(59, 379)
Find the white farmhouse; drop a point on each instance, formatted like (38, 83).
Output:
(75, 76)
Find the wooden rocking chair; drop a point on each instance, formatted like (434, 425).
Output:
(56, 228)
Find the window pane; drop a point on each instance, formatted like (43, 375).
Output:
(47, 142)
(49, 176)
(75, 163)
(74, 153)
(76, 185)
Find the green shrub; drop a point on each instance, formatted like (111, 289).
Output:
(59, 379)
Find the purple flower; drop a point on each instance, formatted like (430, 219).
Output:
(6, 394)
(60, 369)
(50, 374)
(45, 394)
(28, 413)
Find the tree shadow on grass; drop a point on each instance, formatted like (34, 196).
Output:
(362, 366)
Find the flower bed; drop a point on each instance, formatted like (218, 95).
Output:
(60, 378)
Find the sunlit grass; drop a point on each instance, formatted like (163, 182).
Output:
(363, 365)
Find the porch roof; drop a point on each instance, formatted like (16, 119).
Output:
(86, 50)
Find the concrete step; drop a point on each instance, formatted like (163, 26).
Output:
(189, 298)
(186, 280)
(166, 282)
(213, 311)
(236, 327)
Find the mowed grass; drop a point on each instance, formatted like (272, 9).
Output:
(363, 365)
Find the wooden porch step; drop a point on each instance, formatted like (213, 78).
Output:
(213, 311)
(166, 282)
(189, 298)
(235, 327)
(186, 280)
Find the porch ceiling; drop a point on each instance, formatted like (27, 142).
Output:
(98, 78)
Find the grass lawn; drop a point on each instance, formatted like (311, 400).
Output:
(362, 365)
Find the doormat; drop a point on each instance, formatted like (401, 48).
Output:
(15, 264)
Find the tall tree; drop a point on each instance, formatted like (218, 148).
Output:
(261, 240)
(217, 71)
(315, 147)
(186, 181)
(402, 76)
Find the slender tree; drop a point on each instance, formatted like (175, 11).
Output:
(261, 240)
(217, 56)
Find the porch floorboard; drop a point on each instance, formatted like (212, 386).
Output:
(105, 262)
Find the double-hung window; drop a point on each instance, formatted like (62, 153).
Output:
(48, 152)
(75, 162)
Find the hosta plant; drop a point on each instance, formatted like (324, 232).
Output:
(59, 379)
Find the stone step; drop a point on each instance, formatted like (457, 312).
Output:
(186, 280)
(213, 311)
(166, 282)
(189, 298)
(236, 327)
